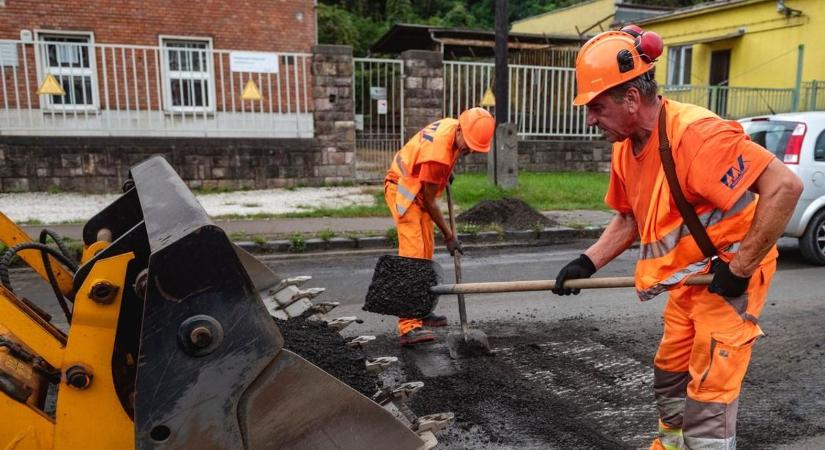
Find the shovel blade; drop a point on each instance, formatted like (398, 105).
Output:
(401, 287)
(473, 344)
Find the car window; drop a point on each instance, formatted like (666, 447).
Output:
(771, 134)
(819, 148)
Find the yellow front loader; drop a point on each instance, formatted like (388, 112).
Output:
(169, 345)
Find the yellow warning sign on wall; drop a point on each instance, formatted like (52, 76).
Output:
(250, 91)
(489, 99)
(50, 86)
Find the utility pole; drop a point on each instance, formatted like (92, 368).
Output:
(502, 75)
(502, 162)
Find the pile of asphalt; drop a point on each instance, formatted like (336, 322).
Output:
(401, 287)
(327, 349)
(511, 214)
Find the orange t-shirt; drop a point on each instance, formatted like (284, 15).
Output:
(716, 162)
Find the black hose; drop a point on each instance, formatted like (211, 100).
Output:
(58, 239)
(5, 261)
(47, 264)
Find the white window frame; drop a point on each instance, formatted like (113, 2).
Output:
(169, 75)
(43, 69)
(674, 53)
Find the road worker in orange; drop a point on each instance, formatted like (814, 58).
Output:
(419, 173)
(701, 197)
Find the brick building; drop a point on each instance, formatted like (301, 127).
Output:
(156, 67)
(159, 76)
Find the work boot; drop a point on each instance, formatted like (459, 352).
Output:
(416, 336)
(434, 320)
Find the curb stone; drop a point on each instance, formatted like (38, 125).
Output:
(373, 242)
(550, 235)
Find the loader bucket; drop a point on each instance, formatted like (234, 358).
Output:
(212, 372)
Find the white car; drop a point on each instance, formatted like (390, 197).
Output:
(798, 139)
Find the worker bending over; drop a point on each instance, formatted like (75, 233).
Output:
(695, 213)
(418, 174)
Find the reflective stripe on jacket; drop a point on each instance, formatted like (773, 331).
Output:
(668, 254)
(434, 143)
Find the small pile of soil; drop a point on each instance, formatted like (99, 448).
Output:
(511, 214)
(327, 349)
(401, 287)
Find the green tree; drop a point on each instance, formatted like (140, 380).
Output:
(458, 16)
(336, 26)
(400, 11)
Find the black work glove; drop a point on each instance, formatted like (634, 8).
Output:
(454, 245)
(581, 267)
(726, 283)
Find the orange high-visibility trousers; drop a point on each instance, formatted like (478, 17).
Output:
(702, 360)
(415, 239)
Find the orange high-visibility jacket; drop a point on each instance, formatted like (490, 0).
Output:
(668, 254)
(434, 143)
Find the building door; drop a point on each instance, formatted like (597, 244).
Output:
(719, 76)
(379, 115)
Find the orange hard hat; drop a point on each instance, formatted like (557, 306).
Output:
(477, 127)
(612, 58)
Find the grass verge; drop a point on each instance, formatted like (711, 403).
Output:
(544, 191)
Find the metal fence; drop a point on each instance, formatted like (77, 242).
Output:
(734, 102)
(180, 88)
(540, 102)
(379, 114)
(812, 97)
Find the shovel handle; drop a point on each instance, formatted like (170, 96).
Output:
(462, 307)
(546, 285)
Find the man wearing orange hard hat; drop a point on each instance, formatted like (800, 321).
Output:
(418, 174)
(684, 182)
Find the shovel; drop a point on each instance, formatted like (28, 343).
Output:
(469, 342)
(393, 282)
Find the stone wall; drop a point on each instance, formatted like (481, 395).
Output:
(98, 164)
(544, 156)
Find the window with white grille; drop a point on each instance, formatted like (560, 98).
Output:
(678, 65)
(70, 59)
(188, 77)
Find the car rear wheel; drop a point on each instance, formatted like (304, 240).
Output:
(812, 243)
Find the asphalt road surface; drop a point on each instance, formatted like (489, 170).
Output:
(575, 372)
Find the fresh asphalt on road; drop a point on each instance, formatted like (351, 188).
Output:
(574, 372)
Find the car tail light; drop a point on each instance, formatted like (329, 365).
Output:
(794, 145)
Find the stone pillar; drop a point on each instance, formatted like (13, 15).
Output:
(334, 112)
(423, 89)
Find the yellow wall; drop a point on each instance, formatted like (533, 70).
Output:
(765, 56)
(565, 20)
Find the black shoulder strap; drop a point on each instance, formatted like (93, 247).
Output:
(700, 235)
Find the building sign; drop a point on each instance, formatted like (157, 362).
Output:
(382, 106)
(251, 92)
(8, 54)
(256, 62)
(378, 93)
(489, 98)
